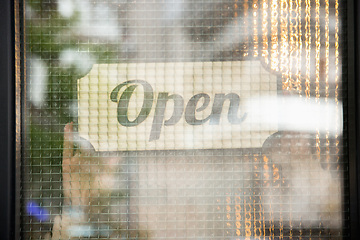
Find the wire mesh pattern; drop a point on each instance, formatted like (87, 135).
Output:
(292, 186)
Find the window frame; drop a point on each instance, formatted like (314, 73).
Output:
(7, 120)
(352, 128)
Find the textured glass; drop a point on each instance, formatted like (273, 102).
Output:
(184, 119)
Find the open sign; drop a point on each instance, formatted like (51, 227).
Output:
(165, 106)
(178, 109)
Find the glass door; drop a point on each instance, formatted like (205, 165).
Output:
(182, 119)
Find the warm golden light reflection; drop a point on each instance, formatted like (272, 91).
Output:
(277, 186)
(337, 79)
(255, 28)
(267, 184)
(295, 43)
(317, 49)
(236, 9)
(284, 45)
(274, 51)
(308, 47)
(257, 208)
(327, 62)
(229, 221)
(238, 210)
(317, 69)
(299, 46)
(264, 28)
(247, 213)
(327, 49)
(337, 51)
(246, 31)
(236, 22)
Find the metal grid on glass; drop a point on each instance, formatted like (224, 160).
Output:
(135, 125)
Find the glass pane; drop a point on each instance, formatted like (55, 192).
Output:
(184, 120)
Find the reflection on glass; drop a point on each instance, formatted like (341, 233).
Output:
(278, 174)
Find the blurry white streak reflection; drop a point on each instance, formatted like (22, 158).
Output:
(94, 19)
(81, 60)
(38, 81)
(66, 8)
(88, 231)
(293, 113)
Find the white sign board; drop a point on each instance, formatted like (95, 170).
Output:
(169, 106)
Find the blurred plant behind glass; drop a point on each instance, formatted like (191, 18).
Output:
(58, 53)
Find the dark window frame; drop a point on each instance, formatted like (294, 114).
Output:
(7, 120)
(352, 126)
